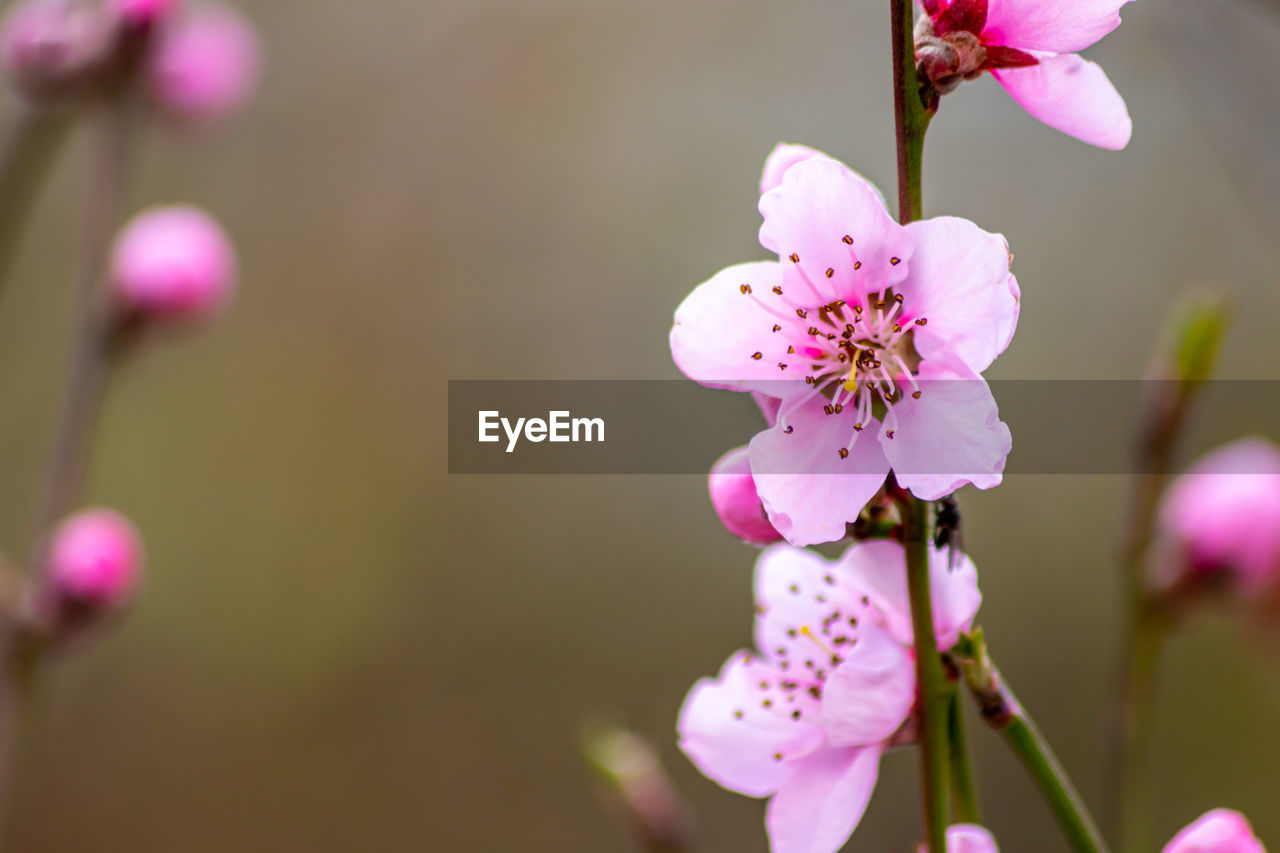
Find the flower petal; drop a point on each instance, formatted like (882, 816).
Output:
(797, 594)
(782, 158)
(879, 568)
(959, 281)
(808, 216)
(1218, 831)
(732, 739)
(1060, 26)
(821, 800)
(809, 491)
(1072, 95)
(870, 694)
(719, 329)
(950, 436)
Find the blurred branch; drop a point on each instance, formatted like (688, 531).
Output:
(1182, 362)
(633, 773)
(29, 147)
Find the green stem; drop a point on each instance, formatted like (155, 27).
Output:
(911, 114)
(911, 119)
(932, 688)
(28, 150)
(1002, 711)
(1146, 636)
(964, 794)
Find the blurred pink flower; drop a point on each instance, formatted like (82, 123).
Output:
(1218, 831)
(968, 838)
(205, 64)
(1030, 46)
(805, 720)
(173, 262)
(1223, 516)
(44, 44)
(734, 496)
(95, 560)
(861, 321)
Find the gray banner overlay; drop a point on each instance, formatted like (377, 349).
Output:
(666, 427)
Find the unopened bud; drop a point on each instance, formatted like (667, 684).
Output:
(1196, 331)
(143, 13)
(173, 263)
(1220, 521)
(205, 64)
(633, 771)
(48, 46)
(94, 564)
(734, 496)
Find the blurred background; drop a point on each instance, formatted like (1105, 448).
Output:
(342, 647)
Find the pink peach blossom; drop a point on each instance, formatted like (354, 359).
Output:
(1218, 831)
(1030, 47)
(173, 262)
(805, 719)
(205, 64)
(1223, 516)
(95, 559)
(872, 335)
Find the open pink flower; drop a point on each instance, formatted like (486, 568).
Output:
(1030, 47)
(805, 720)
(1218, 831)
(1222, 518)
(873, 336)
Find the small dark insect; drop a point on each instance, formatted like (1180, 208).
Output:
(947, 533)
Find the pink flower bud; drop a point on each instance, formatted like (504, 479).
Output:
(141, 12)
(1218, 831)
(733, 494)
(1222, 517)
(45, 44)
(205, 64)
(95, 560)
(173, 262)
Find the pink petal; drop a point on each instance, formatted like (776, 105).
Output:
(952, 435)
(970, 838)
(718, 329)
(808, 490)
(870, 694)
(960, 283)
(732, 739)
(1060, 26)
(817, 205)
(797, 589)
(783, 158)
(821, 800)
(879, 568)
(1218, 831)
(1072, 95)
